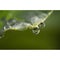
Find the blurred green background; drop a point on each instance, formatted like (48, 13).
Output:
(49, 37)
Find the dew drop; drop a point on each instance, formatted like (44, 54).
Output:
(36, 31)
(42, 25)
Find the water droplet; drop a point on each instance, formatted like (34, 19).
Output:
(41, 25)
(36, 31)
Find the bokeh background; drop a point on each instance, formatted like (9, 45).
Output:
(49, 37)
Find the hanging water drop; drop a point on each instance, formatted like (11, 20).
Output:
(36, 30)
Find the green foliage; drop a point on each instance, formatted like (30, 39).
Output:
(49, 38)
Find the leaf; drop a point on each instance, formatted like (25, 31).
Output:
(20, 19)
